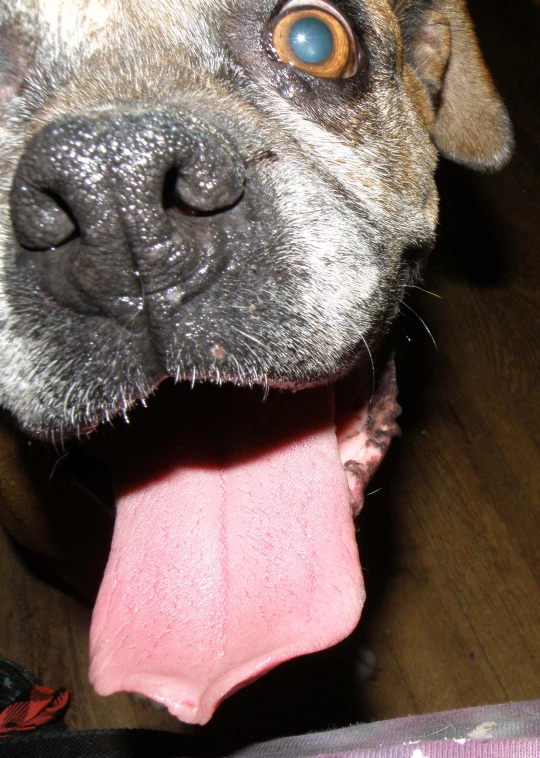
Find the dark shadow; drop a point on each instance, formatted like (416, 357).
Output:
(473, 239)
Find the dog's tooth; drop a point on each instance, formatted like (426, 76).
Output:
(156, 706)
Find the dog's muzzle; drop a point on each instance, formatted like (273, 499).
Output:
(113, 210)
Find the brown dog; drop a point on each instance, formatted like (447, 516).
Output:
(217, 193)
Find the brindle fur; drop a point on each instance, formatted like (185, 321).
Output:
(340, 181)
(349, 184)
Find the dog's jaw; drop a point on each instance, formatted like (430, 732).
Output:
(248, 549)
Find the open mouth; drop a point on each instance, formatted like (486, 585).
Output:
(234, 544)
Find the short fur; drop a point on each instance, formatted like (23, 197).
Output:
(339, 190)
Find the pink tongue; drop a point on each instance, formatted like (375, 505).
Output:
(220, 571)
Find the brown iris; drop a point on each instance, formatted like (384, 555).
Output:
(316, 41)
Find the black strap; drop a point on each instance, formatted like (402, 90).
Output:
(114, 743)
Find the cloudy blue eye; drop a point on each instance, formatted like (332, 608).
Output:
(311, 40)
(316, 39)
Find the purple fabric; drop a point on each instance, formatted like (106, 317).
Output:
(511, 730)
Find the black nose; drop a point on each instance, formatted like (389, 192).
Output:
(104, 207)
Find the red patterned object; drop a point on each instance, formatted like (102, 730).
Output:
(36, 706)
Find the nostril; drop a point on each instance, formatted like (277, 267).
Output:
(41, 218)
(170, 196)
(195, 195)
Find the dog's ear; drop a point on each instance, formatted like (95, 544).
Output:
(471, 124)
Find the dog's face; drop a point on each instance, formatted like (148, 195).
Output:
(186, 192)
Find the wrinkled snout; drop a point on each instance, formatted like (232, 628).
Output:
(111, 209)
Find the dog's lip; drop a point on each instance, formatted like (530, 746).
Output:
(88, 450)
(353, 385)
(353, 374)
(355, 393)
(357, 397)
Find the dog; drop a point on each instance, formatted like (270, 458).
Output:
(214, 209)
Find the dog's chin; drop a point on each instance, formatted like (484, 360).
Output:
(234, 544)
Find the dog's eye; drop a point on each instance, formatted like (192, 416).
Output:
(315, 38)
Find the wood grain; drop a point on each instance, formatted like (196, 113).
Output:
(455, 603)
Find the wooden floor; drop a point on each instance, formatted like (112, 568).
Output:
(450, 537)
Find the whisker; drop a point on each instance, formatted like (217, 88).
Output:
(424, 324)
(428, 292)
(57, 462)
(403, 330)
(249, 336)
(266, 388)
(372, 368)
(374, 492)
(238, 367)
